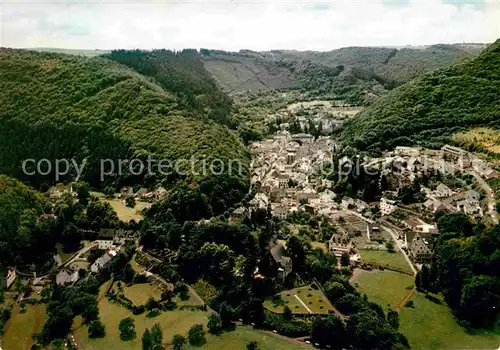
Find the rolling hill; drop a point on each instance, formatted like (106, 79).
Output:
(352, 73)
(433, 105)
(58, 106)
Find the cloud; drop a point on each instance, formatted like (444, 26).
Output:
(237, 24)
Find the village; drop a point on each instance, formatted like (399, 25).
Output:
(288, 170)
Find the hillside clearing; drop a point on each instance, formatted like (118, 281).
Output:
(386, 288)
(431, 325)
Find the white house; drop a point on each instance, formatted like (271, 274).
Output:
(387, 206)
(444, 191)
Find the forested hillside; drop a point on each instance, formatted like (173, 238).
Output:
(438, 103)
(183, 74)
(21, 239)
(355, 74)
(59, 106)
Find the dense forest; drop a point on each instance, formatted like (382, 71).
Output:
(23, 240)
(465, 269)
(436, 104)
(183, 74)
(58, 106)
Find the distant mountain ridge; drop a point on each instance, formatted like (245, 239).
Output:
(348, 73)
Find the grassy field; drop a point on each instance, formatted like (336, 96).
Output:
(430, 325)
(488, 138)
(386, 288)
(241, 336)
(141, 292)
(315, 300)
(383, 257)
(124, 213)
(171, 322)
(22, 326)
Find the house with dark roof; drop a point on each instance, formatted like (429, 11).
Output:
(418, 250)
(279, 262)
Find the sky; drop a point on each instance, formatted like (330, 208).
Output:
(251, 24)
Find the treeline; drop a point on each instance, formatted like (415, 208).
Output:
(181, 72)
(431, 106)
(465, 269)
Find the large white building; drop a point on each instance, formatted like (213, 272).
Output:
(387, 206)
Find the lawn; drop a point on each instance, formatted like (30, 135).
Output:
(314, 299)
(171, 322)
(141, 292)
(124, 213)
(430, 325)
(22, 326)
(241, 336)
(386, 288)
(383, 257)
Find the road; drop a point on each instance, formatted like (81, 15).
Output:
(398, 245)
(490, 196)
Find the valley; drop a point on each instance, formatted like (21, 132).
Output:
(364, 214)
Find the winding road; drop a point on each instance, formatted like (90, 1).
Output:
(490, 196)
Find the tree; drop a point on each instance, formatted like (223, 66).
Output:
(226, 313)
(96, 329)
(214, 324)
(390, 246)
(152, 339)
(335, 290)
(329, 331)
(196, 335)
(252, 345)
(393, 319)
(178, 342)
(147, 343)
(156, 336)
(287, 313)
(345, 259)
(130, 202)
(127, 329)
(151, 304)
(422, 279)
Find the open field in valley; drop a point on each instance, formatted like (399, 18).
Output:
(22, 326)
(241, 336)
(171, 322)
(431, 325)
(386, 288)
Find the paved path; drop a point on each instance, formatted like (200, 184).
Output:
(303, 304)
(398, 245)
